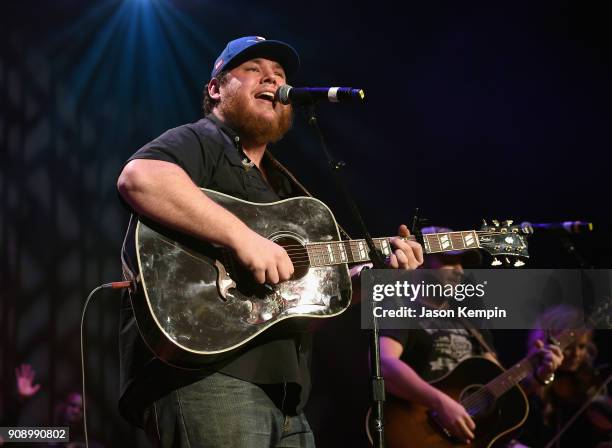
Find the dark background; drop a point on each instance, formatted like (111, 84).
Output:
(473, 110)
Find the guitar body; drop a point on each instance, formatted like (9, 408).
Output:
(410, 425)
(198, 305)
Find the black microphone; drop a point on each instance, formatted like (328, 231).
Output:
(309, 95)
(567, 226)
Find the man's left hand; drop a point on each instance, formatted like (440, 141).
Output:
(408, 254)
(551, 358)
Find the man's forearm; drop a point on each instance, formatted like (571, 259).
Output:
(163, 192)
(403, 382)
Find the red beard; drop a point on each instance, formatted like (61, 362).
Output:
(253, 128)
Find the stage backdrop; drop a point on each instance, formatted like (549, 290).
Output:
(472, 111)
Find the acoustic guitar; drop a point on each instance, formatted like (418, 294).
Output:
(198, 303)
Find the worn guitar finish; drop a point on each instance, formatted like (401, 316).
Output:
(198, 306)
(199, 303)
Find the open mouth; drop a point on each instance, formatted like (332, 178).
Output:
(267, 96)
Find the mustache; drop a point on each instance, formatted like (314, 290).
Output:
(243, 117)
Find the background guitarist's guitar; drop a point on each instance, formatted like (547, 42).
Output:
(489, 394)
(199, 303)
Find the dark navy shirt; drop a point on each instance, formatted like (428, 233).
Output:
(211, 154)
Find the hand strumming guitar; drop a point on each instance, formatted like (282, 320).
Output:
(453, 417)
(266, 260)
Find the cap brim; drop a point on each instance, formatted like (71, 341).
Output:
(274, 50)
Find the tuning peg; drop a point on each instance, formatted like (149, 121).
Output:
(495, 222)
(496, 262)
(519, 263)
(484, 222)
(508, 222)
(527, 228)
(506, 260)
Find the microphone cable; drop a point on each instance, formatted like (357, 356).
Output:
(112, 285)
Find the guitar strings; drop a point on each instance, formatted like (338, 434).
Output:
(488, 389)
(410, 238)
(324, 254)
(302, 258)
(301, 255)
(355, 242)
(475, 400)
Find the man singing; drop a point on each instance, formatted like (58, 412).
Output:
(255, 398)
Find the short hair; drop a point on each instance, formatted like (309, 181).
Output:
(208, 104)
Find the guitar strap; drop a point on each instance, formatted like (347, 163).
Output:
(297, 184)
(478, 336)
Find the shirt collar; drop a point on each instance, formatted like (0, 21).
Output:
(233, 135)
(237, 157)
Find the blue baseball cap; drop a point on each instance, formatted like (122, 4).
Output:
(244, 48)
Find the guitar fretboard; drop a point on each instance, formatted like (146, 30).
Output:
(356, 251)
(443, 242)
(337, 252)
(523, 368)
(511, 377)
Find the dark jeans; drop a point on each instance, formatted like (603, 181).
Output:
(224, 412)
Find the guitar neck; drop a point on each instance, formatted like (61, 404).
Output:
(524, 368)
(356, 251)
(511, 377)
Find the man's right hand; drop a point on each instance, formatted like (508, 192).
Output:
(454, 418)
(267, 261)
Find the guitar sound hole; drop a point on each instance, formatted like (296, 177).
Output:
(298, 254)
(477, 400)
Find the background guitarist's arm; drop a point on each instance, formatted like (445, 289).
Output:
(549, 359)
(403, 382)
(162, 191)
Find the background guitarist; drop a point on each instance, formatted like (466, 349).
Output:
(412, 358)
(255, 398)
(554, 406)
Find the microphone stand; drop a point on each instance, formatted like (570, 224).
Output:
(377, 384)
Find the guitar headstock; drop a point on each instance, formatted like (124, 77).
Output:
(506, 241)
